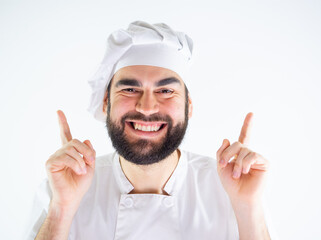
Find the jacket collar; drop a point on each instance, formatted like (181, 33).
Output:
(172, 186)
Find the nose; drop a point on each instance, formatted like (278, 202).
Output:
(147, 104)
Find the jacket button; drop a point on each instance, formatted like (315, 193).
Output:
(129, 202)
(168, 202)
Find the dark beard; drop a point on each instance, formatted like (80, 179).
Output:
(144, 152)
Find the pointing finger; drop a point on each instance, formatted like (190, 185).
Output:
(246, 128)
(65, 134)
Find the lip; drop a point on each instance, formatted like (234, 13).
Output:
(143, 134)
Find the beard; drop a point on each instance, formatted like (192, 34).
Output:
(146, 151)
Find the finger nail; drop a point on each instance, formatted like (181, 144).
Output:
(235, 174)
(222, 161)
(91, 159)
(84, 170)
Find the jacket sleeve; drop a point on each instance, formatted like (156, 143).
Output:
(39, 210)
(269, 222)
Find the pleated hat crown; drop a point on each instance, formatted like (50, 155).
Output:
(141, 44)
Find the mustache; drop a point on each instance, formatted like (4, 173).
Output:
(151, 118)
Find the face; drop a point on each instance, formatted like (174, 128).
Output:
(147, 113)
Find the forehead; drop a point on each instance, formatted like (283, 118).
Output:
(145, 74)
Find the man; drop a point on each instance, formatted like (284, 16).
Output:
(149, 188)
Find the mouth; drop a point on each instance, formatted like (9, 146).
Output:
(146, 126)
(144, 129)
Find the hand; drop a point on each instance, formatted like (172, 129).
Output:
(242, 178)
(71, 169)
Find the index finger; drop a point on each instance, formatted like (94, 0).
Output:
(246, 129)
(65, 134)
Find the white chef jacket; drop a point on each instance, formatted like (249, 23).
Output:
(197, 206)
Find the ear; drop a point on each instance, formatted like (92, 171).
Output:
(190, 106)
(105, 103)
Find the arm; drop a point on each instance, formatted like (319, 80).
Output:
(70, 172)
(250, 221)
(243, 179)
(56, 224)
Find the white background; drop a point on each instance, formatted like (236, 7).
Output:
(259, 56)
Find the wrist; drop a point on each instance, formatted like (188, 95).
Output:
(57, 223)
(250, 220)
(61, 213)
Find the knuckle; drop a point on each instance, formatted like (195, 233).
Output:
(69, 148)
(255, 155)
(246, 160)
(245, 149)
(235, 144)
(87, 153)
(224, 156)
(246, 164)
(74, 141)
(237, 165)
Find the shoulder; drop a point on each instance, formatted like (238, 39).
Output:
(104, 167)
(199, 162)
(202, 170)
(203, 180)
(105, 160)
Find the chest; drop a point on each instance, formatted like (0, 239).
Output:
(152, 216)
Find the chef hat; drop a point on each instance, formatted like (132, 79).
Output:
(141, 44)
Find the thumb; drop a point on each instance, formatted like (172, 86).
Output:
(225, 144)
(88, 143)
(91, 161)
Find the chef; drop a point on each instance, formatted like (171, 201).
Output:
(149, 188)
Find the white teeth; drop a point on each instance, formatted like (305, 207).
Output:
(148, 128)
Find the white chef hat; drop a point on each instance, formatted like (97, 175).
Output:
(141, 44)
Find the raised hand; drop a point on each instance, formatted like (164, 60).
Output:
(70, 169)
(243, 177)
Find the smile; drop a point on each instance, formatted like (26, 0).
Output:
(146, 126)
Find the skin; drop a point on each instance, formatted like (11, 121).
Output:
(70, 176)
(70, 170)
(243, 179)
(148, 99)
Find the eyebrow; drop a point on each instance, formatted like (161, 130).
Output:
(167, 81)
(128, 82)
(136, 83)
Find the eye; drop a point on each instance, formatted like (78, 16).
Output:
(166, 91)
(129, 90)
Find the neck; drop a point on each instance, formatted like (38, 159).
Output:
(150, 178)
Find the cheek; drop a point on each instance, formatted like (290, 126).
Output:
(120, 106)
(175, 109)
